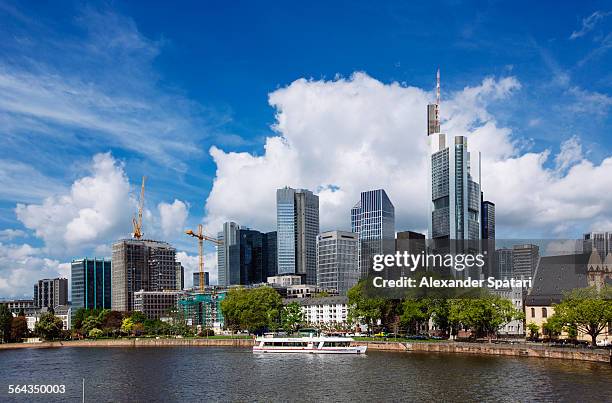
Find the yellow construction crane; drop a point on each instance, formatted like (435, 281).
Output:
(137, 223)
(201, 238)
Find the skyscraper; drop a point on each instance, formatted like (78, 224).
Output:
(180, 276)
(297, 222)
(454, 182)
(49, 293)
(91, 284)
(524, 260)
(228, 237)
(246, 256)
(488, 220)
(373, 220)
(337, 261)
(140, 265)
(196, 279)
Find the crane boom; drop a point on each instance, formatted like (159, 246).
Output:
(137, 222)
(201, 238)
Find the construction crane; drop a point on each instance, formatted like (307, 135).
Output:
(201, 238)
(137, 222)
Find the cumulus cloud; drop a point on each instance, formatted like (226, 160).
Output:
(9, 234)
(96, 208)
(173, 217)
(23, 265)
(347, 135)
(191, 265)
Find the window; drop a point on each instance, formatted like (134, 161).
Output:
(533, 312)
(544, 313)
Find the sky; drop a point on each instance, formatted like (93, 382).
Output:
(220, 103)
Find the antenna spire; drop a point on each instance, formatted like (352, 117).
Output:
(438, 99)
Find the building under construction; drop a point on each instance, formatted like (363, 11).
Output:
(140, 264)
(203, 308)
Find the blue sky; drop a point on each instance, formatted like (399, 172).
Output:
(158, 85)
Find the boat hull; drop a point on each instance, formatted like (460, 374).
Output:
(343, 350)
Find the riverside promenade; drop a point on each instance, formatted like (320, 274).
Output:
(514, 350)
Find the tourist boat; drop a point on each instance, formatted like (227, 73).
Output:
(307, 344)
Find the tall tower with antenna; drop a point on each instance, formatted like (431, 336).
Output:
(433, 110)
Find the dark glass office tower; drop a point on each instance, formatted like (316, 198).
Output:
(91, 284)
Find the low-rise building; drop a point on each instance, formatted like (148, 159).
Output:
(18, 305)
(324, 311)
(516, 327)
(285, 281)
(557, 275)
(155, 304)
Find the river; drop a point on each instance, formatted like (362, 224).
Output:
(236, 374)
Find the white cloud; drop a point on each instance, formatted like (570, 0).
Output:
(96, 208)
(345, 136)
(588, 23)
(571, 152)
(10, 234)
(191, 265)
(173, 217)
(23, 265)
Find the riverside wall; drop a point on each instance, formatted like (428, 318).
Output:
(520, 350)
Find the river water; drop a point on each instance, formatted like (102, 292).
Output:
(236, 374)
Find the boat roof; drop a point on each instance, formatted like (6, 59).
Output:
(305, 339)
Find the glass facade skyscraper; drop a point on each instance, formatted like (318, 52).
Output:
(91, 284)
(337, 261)
(373, 220)
(488, 220)
(228, 237)
(297, 227)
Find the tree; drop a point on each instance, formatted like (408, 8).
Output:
(254, 309)
(483, 315)
(91, 322)
(292, 317)
(534, 331)
(49, 326)
(414, 311)
(19, 328)
(6, 319)
(94, 333)
(362, 308)
(553, 327)
(138, 317)
(587, 309)
(127, 325)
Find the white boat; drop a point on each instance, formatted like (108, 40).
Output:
(307, 344)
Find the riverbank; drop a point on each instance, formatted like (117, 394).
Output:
(521, 350)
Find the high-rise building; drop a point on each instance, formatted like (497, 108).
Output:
(503, 263)
(373, 220)
(228, 237)
(297, 222)
(91, 284)
(454, 182)
(601, 241)
(246, 256)
(488, 220)
(270, 254)
(196, 279)
(411, 242)
(49, 293)
(180, 276)
(140, 265)
(524, 260)
(337, 261)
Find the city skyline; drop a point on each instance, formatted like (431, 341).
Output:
(367, 135)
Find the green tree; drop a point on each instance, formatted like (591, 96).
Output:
(19, 328)
(127, 325)
(534, 331)
(138, 317)
(6, 319)
(292, 317)
(49, 326)
(587, 309)
(482, 315)
(95, 333)
(362, 308)
(89, 323)
(253, 309)
(553, 327)
(414, 311)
